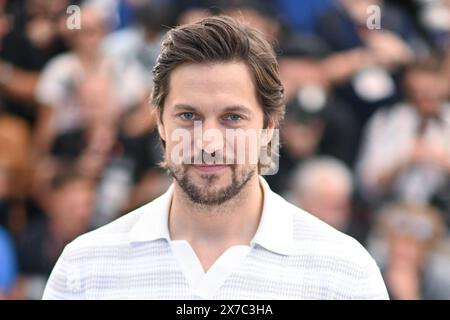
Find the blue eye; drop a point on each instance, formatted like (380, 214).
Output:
(187, 116)
(233, 117)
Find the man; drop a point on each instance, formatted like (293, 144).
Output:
(406, 150)
(219, 232)
(39, 245)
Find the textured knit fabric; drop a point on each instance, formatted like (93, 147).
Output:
(293, 255)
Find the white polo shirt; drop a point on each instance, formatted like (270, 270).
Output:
(293, 255)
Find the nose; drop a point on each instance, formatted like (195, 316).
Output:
(211, 138)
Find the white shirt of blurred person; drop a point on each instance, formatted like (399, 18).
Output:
(219, 232)
(59, 84)
(406, 151)
(323, 186)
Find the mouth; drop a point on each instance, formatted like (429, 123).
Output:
(209, 168)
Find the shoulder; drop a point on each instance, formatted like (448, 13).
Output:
(320, 241)
(113, 233)
(332, 259)
(394, 113)
(63, 60)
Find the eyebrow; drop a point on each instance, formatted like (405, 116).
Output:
(232, 108)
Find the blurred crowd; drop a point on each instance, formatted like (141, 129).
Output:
(365, 143)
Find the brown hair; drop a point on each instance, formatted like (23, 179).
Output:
(432, 63)
(221, 39)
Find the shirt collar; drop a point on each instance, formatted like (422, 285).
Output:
(274, 233)
(153, 221)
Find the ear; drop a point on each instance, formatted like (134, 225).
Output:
(269, 131)
(160, 125)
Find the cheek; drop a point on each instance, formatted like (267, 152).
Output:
(244, 147)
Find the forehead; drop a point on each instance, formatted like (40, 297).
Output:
(422, 74)
(212, 84)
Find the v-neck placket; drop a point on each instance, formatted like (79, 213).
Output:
(206, 284)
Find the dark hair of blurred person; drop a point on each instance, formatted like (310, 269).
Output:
(424, 86)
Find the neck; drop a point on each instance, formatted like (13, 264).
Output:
(88, 57)
(232, 223)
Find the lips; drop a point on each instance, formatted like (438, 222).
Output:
(209, 168)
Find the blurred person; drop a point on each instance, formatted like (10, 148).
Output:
(8, 264)
(311, 95)
(312, 70)
(435, 16)
(408, 242)
(95, 137)
(348, 19)
(69, 209)
(219, 231)
(31, 34)
(406, 149)
(15, 171)
(58, 87)
(366, 64)
(95, 147)
(141, 149)
(324, 186)
(138, 45)
(316, 122)
(325, 124)
(300, 137)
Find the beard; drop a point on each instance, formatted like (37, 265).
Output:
(206, 192)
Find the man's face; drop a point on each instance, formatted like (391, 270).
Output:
(220, 97)
(426, 91)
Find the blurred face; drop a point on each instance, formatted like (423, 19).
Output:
(297, 73)
(92, 30)
(406, 251)
(221, 98)
(98, 100)
(310, 134)
(425, 90)
(329, 200)
(73, 205)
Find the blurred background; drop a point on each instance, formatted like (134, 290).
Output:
(365, 141)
